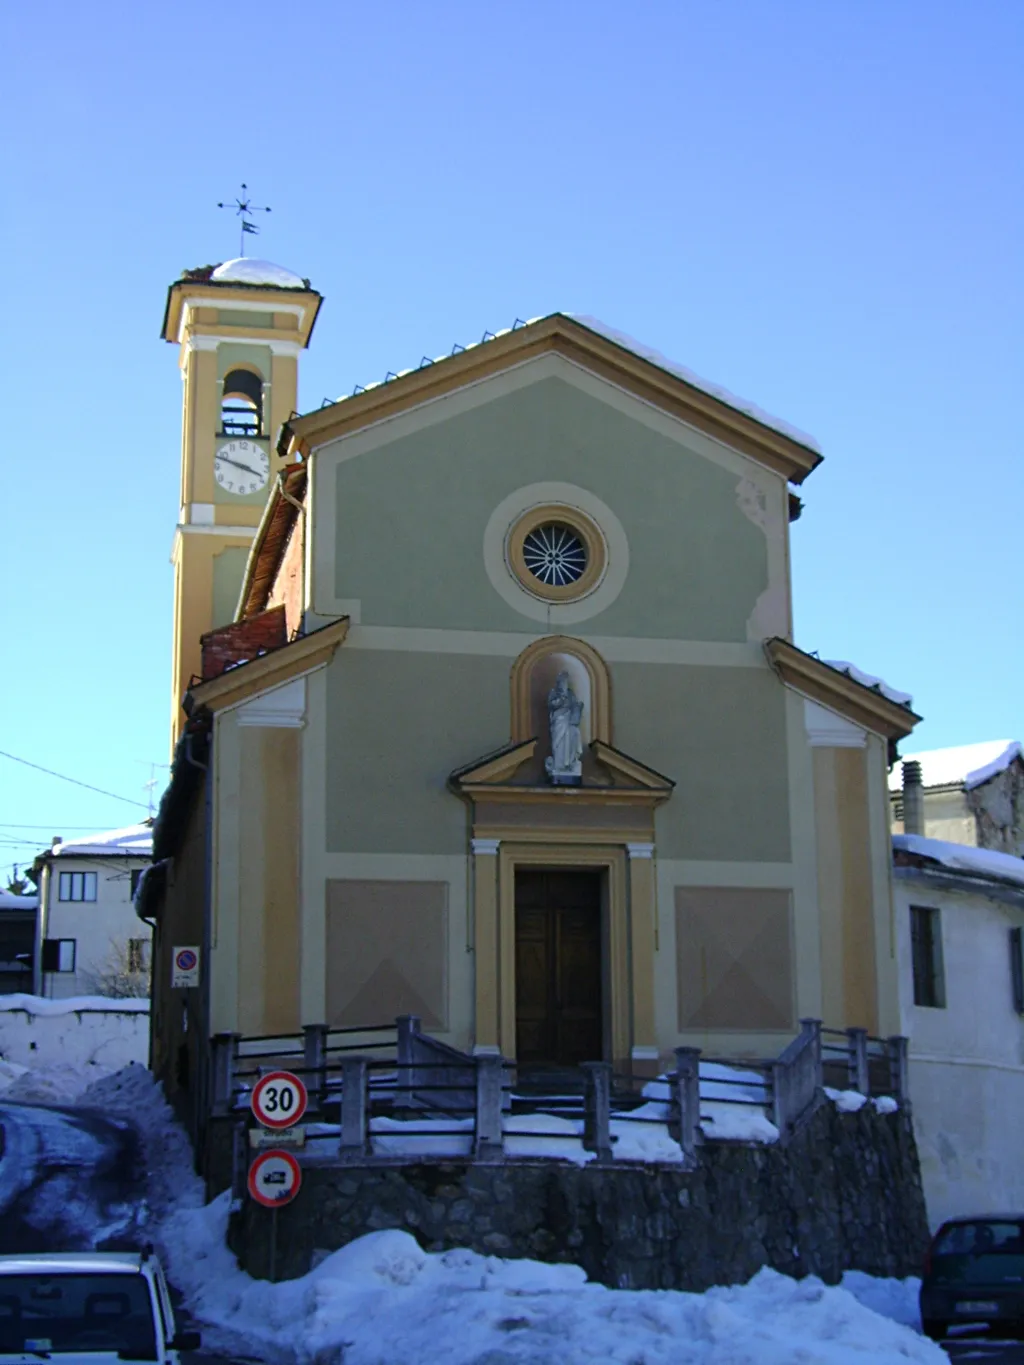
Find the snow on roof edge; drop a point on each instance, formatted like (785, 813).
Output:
(73, 1004)
(858, 675)
(951, 765)
(250, 270)
(989, 770)
(133, 840)
(976, 862)
(707, 386)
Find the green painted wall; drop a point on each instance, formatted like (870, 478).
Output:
(397, 724)
(232, 353)
(228, 568)
(720, 734)
(236, 317)
(411, 518)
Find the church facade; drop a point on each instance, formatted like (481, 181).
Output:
(508, 729)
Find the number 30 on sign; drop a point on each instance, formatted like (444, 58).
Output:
(279, 1099)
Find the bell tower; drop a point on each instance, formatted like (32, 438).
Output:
(239, 328)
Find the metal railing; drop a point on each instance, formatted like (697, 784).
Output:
(869, 1065)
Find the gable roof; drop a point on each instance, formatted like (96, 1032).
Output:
(866, 704)
(602, 351)
(960, 766)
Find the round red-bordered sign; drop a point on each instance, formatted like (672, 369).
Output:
(274, 1179)
(185, 960)
(279, 1099)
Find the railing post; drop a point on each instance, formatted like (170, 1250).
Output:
(857, 1062)
(684, 1101)
(899, 1066)
(224, 1063)
(597, 1111)
(355, 1138)
(409, 1027)
(314, 1060)
(811, 1030)
(489, 1143)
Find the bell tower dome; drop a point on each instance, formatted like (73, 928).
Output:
(239, 328)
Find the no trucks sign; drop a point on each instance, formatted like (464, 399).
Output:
(274, 1179)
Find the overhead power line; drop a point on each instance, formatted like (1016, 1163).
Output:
(131, 801)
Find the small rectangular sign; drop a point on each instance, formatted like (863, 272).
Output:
(184, 967)
(283, 1137)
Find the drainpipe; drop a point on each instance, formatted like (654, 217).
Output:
(913, 798)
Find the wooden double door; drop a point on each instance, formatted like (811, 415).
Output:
(558, 968)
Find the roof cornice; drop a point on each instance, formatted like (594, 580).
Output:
(184, 294)
(863, 705)
(240, 683)
(577, 343)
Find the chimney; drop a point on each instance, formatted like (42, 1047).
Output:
(913, 799)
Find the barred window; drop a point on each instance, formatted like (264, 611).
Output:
(926, 956)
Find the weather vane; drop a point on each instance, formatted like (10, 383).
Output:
(244, 209)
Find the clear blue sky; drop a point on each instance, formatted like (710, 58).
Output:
(816, 204)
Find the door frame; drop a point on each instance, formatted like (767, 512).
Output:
(615, 947)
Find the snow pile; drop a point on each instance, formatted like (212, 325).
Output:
(246, 270)
(382, 1299)
(974, 862)
(51, 1083)
(999, 764)
(73, 1004)
(857, 675)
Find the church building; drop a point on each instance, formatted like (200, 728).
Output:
(488, 709)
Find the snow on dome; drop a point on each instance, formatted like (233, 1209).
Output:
(868, 680)
(705, 385)
(961, 765)
(245, 270)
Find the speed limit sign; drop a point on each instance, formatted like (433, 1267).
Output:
(274, 1179)
(279, 1099)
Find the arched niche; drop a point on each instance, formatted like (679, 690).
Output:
(534, 674)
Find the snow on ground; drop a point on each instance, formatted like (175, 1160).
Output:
(382, 1299)
(52, 1083)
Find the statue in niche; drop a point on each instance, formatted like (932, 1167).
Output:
(564, 767)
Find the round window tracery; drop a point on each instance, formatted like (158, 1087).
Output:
(555, 554)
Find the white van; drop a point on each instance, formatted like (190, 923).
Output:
(88, 1307)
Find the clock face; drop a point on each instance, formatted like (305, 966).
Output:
(241, 467)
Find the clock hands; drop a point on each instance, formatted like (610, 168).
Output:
(226, 459)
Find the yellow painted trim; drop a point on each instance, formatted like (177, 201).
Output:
(632, 768)
(597, 670)
(643, 936)
(270, 670)
(221, 296)
(827, 685)
(486, 932)
(587, 530)
(505, 765)
(581, 346)
(515, 834)
(546, 796)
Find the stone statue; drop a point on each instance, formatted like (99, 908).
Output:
(565, 711)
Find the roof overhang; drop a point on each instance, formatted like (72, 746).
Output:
(865, 706)
(580, 344)
(298, 309)
(279, 515)
(492, 778)
(261, 674)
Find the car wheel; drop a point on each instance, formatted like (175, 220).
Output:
(934, 1329)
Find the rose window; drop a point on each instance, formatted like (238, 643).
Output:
(555, 554)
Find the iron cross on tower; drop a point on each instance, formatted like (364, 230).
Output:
(244, 209)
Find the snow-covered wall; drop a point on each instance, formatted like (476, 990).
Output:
(36, 1032)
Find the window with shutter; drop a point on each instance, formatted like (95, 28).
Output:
(926, 957)
(1017, 969)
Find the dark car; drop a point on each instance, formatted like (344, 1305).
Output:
(974, 1272)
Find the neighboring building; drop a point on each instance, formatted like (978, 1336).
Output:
(89, 940)
(17, 941)
(386, 798)
(960, 920)
(970, 794)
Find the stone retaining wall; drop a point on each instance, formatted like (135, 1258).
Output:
(844, 1193)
